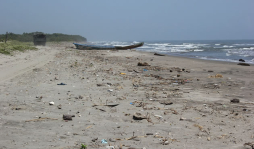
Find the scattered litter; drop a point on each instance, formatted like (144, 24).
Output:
(143, 64)
(110, 147)
(149, 134)
(139, 116)
(112, 105)
(216, 76)
(208, 138)
(235, 100)
(95, 139)
(68, 117)
(166, 102)
(110, 90)
(99, 84)
(123, 73)
(182, 118)
(158, 116)
(145, 70)
(251, 144)
(62, 84)
(59, 106)
(104, 141)
(51, 103)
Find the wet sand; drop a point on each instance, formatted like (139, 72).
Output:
(172, 102)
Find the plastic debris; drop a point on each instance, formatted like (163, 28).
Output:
(61, 84)
(104, 141)
(51, 103)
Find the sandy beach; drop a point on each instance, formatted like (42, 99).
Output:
(123, 100)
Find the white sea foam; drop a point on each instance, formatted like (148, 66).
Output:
(244, 44)
(225, 46)
(198, 50)
(158, 44)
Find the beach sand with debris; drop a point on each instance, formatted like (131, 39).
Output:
(123, 100)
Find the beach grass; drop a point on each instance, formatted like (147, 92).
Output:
(11, 46)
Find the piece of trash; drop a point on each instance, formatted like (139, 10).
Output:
(182, 118)
(145, 70)
(112, 105)
(95, 139)
(143, 64)
(110, 90)
(51, 103)
(158, 116)
(68, 117)
(166, 102)
(62, 84)
(100, 85)
(235, 100)
(110, 147)
(104, 141)
(59, 106)
(138, 116)
(251, 144)
(216, 76)
(123, 73)
(149, 134)
(132, 103)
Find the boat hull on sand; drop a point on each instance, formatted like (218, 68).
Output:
(98, 47)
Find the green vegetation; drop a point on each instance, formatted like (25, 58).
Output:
(10, 46)
(83, 146)
(55, 37)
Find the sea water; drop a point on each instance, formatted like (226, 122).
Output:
(219, 50)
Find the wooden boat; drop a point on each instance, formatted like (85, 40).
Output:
(98, 47)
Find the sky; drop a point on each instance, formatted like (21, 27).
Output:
(132, 20)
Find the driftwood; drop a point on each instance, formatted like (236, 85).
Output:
(40, 119)
(159, 54)
(243, 64)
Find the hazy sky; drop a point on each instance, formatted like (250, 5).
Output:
(129, 20)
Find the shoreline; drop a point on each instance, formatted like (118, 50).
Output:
(210, 60)
(171, 102)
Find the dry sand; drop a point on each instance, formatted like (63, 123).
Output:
(173, 103)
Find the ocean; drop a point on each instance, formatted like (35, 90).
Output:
(218, 50)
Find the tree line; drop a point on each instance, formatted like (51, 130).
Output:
(55, 37)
